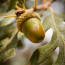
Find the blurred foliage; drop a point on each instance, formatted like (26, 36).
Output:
(10, 38)
(12, 4)
(45, 52)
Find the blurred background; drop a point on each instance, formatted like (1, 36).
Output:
(15, 47)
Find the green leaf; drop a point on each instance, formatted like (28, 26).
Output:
(9, 38)
(7, 51)
(6, 25)
(45, 52)
(7, 55)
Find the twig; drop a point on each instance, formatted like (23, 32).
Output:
(42, 6)
(39, 7)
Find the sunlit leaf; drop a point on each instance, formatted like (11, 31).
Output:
(46, 51)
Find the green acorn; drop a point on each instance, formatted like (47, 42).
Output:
(29, 23)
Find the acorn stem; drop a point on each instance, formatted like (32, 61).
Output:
(35, 4)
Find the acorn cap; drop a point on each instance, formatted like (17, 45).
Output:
(25, 16)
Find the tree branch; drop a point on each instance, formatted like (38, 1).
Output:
(42, 6)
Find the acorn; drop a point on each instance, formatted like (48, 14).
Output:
(30, 24)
